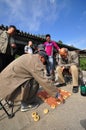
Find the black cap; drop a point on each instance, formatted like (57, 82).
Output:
(41, 47)
(12, 26)
(43, 53)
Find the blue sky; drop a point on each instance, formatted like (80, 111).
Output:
(65, 20)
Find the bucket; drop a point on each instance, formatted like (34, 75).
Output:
(83, 90)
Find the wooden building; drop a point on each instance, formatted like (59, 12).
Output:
(21, 38)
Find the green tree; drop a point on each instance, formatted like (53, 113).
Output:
(83, 63)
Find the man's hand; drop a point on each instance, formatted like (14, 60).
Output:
(62, 68)
(13, 45)
(61, 99)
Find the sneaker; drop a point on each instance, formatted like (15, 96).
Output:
(75, 89)
(56, 83)
(25, 107)
(61, 85)
(48, 74)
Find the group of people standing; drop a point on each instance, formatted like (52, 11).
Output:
(24, 75)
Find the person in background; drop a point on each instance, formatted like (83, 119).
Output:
(40, 47)
(19, 76)
(28, 48)
(6, 46)
(68, 60)
(49, 48)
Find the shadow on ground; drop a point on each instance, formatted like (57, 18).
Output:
(83, 123)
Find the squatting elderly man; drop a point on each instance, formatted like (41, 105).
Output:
(68, 60)
(19, 76)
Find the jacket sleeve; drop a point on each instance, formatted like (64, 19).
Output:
(74, 58)
(56, 46)
(46, 83)
(3, 41)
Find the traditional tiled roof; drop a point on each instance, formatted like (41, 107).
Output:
(24, 36)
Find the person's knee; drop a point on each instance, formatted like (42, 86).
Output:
(74, 68)
(58, 68)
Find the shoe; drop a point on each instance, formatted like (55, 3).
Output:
(25, 107)
(75, 89)
(48, 74)
(61, 85)
(56, 83)
(0, 107)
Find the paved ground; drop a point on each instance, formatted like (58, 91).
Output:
(68, 116)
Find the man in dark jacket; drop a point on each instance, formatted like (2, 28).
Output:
(6, 46)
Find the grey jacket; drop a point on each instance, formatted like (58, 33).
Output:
(72, 59)
(3, 41)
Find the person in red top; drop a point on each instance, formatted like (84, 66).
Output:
(49, 47)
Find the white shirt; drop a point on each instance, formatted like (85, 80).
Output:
(28, 49)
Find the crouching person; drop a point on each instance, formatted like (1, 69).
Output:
(23, 76)
(68, 60)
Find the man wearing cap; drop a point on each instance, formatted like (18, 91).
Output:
(40, 47)
(17, 79)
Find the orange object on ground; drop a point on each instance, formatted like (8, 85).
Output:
(53, 101)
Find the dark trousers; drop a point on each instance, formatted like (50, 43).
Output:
(28, 91)
(5, 60)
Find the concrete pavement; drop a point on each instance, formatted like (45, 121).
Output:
(68, 116)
